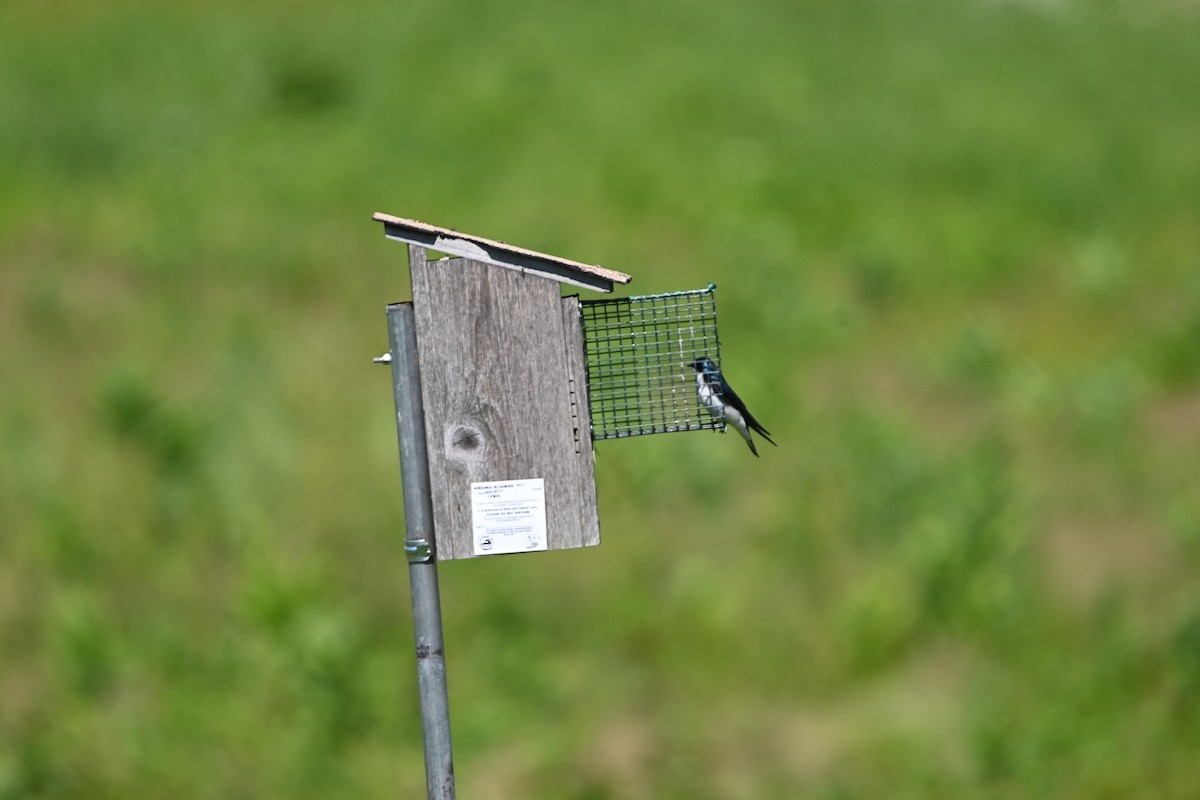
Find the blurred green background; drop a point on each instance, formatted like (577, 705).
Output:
(958, 251)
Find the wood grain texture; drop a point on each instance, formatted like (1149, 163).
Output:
(495, 380)
(581, 418)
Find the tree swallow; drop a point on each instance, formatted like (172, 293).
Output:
(721, 401)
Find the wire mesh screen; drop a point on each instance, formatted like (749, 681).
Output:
(638, 353)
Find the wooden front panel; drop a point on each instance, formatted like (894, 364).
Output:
(496, 378)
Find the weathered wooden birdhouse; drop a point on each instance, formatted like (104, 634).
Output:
(517, 381)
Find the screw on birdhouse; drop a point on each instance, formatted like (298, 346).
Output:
(386, 358)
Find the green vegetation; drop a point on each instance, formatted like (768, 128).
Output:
(958, 251)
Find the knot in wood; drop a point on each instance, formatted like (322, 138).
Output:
(466, 441)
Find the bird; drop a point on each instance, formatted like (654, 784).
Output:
(718, 397)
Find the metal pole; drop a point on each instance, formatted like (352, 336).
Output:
(422, 558)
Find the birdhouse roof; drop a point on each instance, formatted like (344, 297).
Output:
(477, 248)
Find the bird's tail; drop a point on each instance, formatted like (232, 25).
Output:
(757, 426)
(750, 442)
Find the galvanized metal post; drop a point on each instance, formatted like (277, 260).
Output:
(422, 558)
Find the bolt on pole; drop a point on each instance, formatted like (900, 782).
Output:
(422, 557)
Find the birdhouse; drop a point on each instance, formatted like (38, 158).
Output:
(516, 382)
(501, 385)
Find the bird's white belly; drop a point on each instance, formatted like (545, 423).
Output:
(712, 401)
(709, 397)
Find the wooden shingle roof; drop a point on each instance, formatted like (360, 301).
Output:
(501, 254)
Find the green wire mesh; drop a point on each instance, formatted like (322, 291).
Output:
(638, 352)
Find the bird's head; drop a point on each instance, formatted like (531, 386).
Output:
(703, 364)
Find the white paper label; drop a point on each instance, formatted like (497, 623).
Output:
(508, 516)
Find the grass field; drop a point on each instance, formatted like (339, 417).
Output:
(957, 246)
